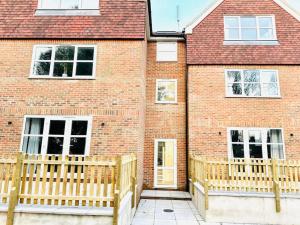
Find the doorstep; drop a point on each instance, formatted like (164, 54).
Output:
(166, 195)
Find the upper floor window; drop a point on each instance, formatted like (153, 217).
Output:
(249, 28)
(68, 4)
(166, 91)
(56, 135)
(257, 143)
(166, 51)
(64, 61)
(252, 83)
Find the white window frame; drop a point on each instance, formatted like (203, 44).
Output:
(68, 135)
(40, 6)
(75, 61)
(156, 91)
(170, 59)
(257, 28)
(246, 141)
(263, 95)
(155, 163)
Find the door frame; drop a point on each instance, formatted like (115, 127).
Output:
(155, 163)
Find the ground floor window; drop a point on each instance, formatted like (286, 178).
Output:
(56, 135)
(257, 143)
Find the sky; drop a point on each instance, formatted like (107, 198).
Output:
(164, 12)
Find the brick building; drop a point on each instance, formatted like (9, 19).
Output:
(91, 78)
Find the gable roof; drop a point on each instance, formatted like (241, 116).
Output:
(118, 19)
(189, 28)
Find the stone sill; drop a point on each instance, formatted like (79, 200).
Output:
(67, 12)
(271, 42)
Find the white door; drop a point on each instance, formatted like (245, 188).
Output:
(165, 163)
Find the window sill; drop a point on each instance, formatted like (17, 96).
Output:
(259, 97)
(166, 103)
(61, 78)
(67, 12)
(271, 42)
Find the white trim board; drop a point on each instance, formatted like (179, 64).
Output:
(189, 28)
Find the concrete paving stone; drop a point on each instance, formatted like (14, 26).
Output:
(165, 222)
(142, 222)
(187, 222)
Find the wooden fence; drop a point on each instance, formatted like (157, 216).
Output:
(67, 181)
(246, 175)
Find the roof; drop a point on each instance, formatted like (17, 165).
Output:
(118, 19)
(189, 28)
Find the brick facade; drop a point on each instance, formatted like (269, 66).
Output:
(205, 44)
(210, 112)
(115, 98)
(165, 121)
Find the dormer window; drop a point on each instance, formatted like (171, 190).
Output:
(68, 4)
(250, 28)
(68, 8)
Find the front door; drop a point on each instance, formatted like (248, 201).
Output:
(165, 167)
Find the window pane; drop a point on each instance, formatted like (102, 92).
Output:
(251, 76)
(85, 53)
(55, 145)
(238, 151)
(84, 69)
(271, 89)
(255, 136)
(274, 136)
(57, 127)
(249, 34)
(248, 22)
(166, 91)
(79, 127)
(275, 151)
(43, 53)
(255, 151)
(268, 76)
(77, 146)
(34, 126)
(32, 145)
(41, 68)
(63, 69)
(234, 76)
(252, 90)
(235, 89)
(64, 53)
(50, 4)
(90, 4)
(70, 4)
(237, 136)
(266, 33)
(232, 34)
(231, 22)
(265, 22)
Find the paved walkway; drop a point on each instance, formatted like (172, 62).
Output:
(152, 212)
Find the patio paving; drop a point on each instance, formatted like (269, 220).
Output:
(171, 195)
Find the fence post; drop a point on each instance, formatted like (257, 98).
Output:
(14, 193)
(118, 191)
(276, 188)
(193, 173)
(133, 182)
(206, 184)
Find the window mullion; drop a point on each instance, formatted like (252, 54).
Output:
(257, 28)
(246, 144)
(240, 28)
(52, 62)
(45, 136)
(67, 137)
(75, 62)
(264, 143)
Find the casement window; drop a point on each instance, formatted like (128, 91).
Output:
(166, 91)
(166, 51)
(64, 61)
(252, 83)
(56, 135)
(256, 143)
(250, 28)
(68, 4)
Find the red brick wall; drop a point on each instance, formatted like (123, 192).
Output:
(205, 45)
(210, 112)
(116, 97)
(165, 121)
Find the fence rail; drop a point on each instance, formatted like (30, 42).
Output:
(246, 175)
(67, 181)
